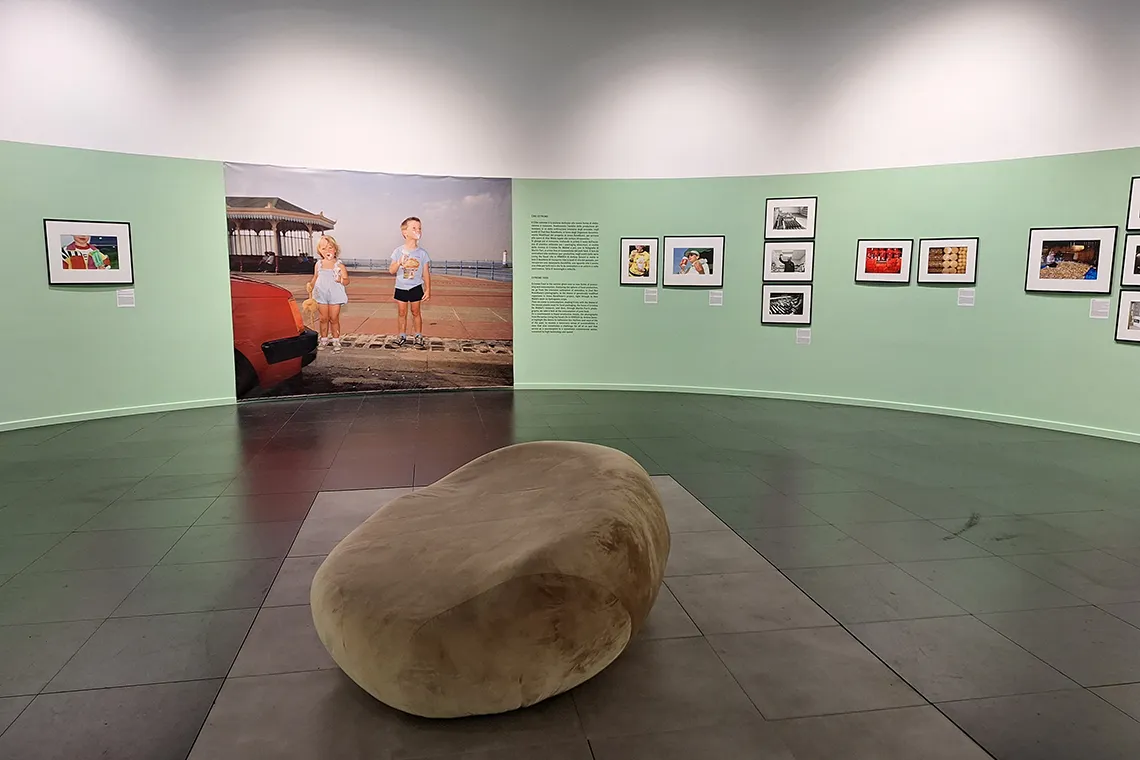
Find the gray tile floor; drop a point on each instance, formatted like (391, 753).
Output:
(844, 583)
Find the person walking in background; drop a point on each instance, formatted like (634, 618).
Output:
(412, 267)
(329, 289)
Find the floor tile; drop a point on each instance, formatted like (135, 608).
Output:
(989, 584)
(904, 734)
(318, 537)
(813, 480)
(682, 510)
(941, 503)
(275, 481)
(157, 649)
(10, 709)
(61, 518)
(283, 640)
(854, 507)
(1125, 698)
(359, 504)
(668, 619)
(655, 686)
(1087, 644)
(17, 552)
(180, 487)
(1094, 576)
(812, 671)
(721, 483)
(291, 587)
(912, 541)
(33, 654)
(109, 549)
(1015, 535)
(64, 596)
(810, 546)
(1041, 499)
(201, 587)
(165, 513)
(956, 658)
(738, 741)
(871, 593)
(224, 543)
(132, 723)
(711, 553)
(745, 602)
(228, 510)
(1129, 613)
(1104, 530)
(773, 511)
(1055, 726)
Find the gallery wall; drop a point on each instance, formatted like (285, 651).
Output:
(546, 88)
(70, 352)
(1014, 356)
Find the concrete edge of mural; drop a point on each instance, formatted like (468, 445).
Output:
(973, 414)
(102, 414)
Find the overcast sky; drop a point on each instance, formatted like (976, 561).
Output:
(463, 219)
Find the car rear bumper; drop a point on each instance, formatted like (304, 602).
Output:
(299, 346)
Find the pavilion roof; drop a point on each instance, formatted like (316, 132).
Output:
(269, 209)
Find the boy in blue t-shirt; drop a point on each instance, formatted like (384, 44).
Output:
(412, 267)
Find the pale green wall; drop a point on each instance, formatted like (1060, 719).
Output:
(70, 353)
(1015, 356)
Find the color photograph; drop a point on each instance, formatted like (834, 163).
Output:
(883, 261)
(1131, 275)
(789, 262)
(694, 262)
(639, 261)
(786, 305)
(397, 282)
(948, 260)
(88, 253)
(1128, 317)
(790, 218)
(1070, 260)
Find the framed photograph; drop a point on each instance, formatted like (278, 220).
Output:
(1128, 317)
(639, 261)
(1070, 260)
(1134, 206)
(694, 262)
(88, 253)
(1131, 275)
(790, 218)
(884, 261)
(948, 260)
(789, 261)
(786, 305)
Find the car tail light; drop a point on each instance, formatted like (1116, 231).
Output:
(297, 319)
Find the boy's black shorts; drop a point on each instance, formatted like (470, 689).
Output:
(413, 295)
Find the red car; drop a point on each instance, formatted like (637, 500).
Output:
(271, 342)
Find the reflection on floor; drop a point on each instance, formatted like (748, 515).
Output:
(844, 583)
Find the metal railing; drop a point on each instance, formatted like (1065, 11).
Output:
(482, 270)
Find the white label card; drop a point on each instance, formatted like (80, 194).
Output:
(125, 298)
(651, 295)
(1099, 308)
(965, 297)
(803, 336)
(716, 298)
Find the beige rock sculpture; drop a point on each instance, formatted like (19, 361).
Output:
(515, 578)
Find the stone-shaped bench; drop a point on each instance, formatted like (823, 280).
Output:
(515, 578)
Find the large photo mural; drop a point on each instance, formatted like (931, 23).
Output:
(352, 281)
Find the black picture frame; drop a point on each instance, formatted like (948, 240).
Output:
(767, 276)
(666, 266)
(1131, 240)
(868, 278)
(938, 282)
(1127, 298)
(623, 262)
(775, 235)
(1132, 222)
(1103, 284)
(58, 277)
(806, 288)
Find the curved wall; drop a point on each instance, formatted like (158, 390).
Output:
(1028, 358)
(547, 88)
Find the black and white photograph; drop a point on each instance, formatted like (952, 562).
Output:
(1070, 260)
(1131, 275)
(1128, 317)
(948, 261)
(638, 258)
(789, 261)
(1134, 206)
(786, 305)
(790, 218)
(694, 262)
(883, 261)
